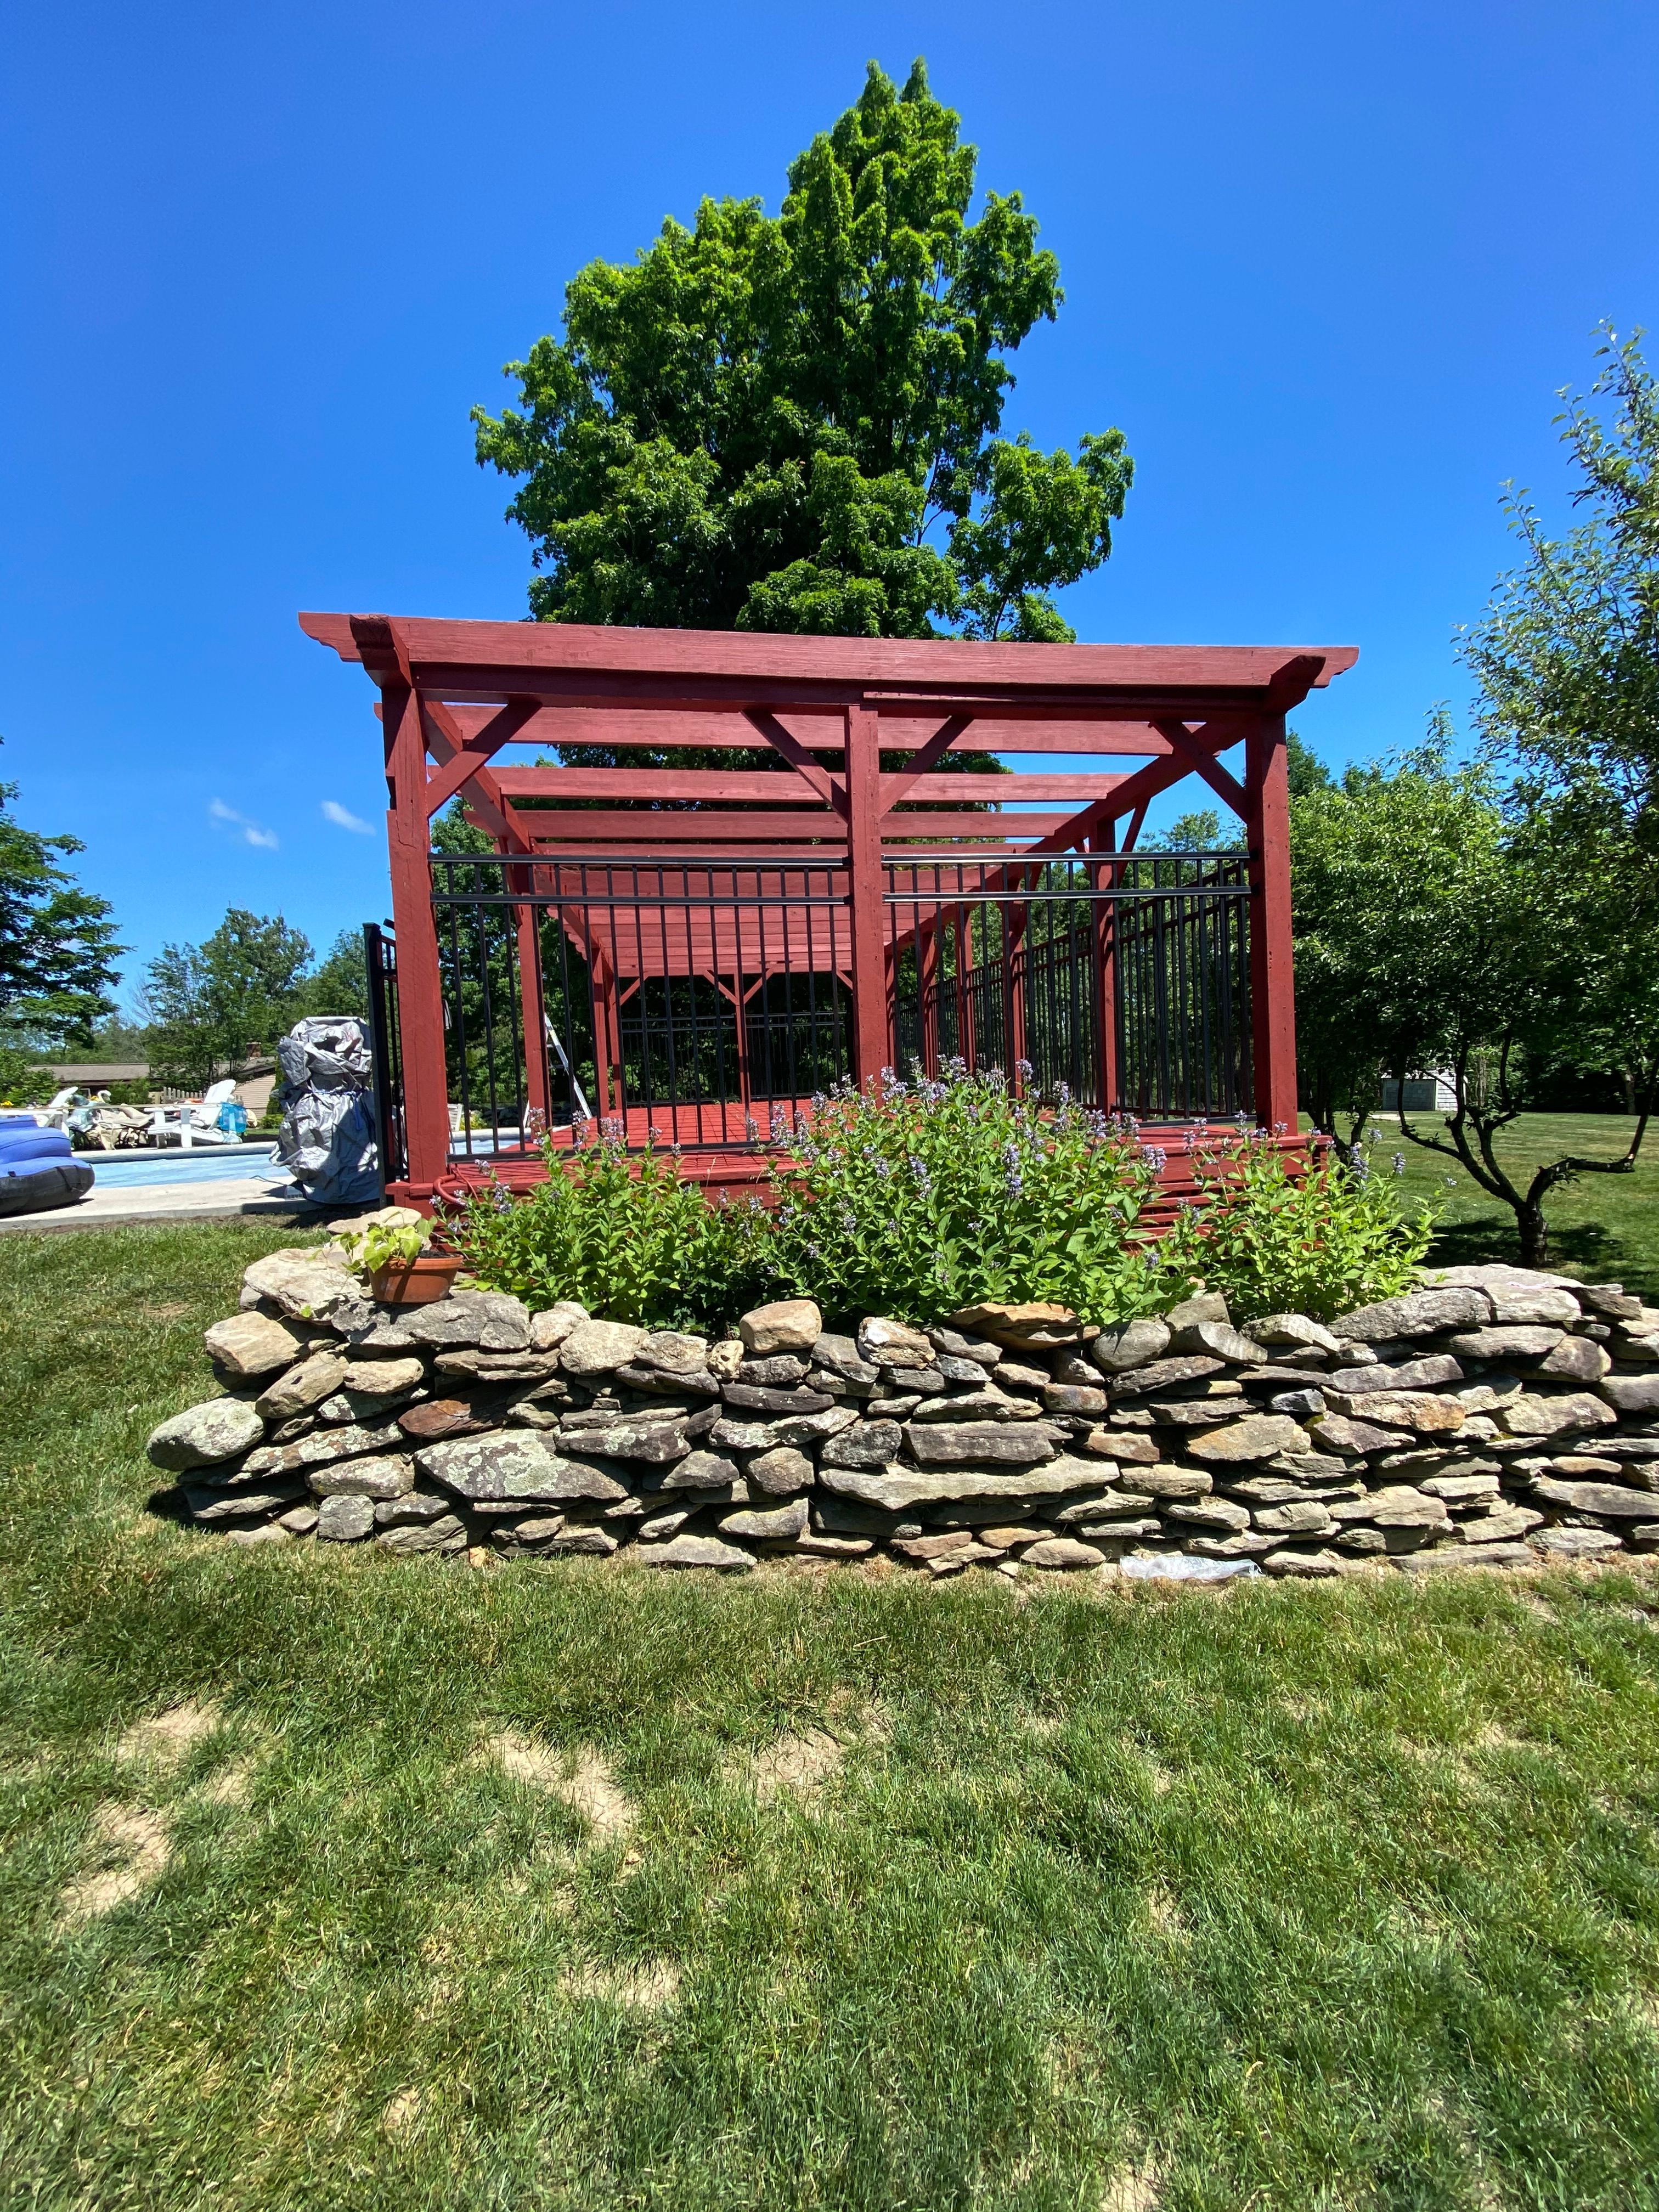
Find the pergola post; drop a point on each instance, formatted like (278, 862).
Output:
(1272, 1000)
(966, 1033)
(869, 910)
(607, 1035)
(419, 986)
(537, 1090)
(927, 992)
(1015, 922)
(1105, 875)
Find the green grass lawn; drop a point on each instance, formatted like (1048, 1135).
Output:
(1604, 1228)
(514, 1885)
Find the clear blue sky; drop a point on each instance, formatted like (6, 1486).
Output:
(1326, 266)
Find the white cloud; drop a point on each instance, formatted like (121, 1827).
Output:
(343, 818)
(252, 834)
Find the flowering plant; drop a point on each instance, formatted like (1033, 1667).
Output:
(626, 1235)
(915, 1199)
(1318, 1241)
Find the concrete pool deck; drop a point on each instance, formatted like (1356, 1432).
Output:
(172, 1202)
(184, 1184)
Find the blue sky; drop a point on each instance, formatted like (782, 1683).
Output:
(1325, 266)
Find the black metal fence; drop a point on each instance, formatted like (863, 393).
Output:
(1126, 978)
(695, 998)
(683, 996)
(1181, 936)
(386, 1050)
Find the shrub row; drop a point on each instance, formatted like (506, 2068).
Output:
(918, 1198)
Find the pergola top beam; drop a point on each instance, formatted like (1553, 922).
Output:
(876, 670)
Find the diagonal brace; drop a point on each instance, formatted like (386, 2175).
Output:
(444, 781)
(927, 759)
(830, 789)
(1189, 750)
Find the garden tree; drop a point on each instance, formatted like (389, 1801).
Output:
(1567, 657)
(1200, 832)
(217, 1005)
(1305, 770)
(1567, 653)
(792, 423)
(1434, 928)
(339, 983)
(58, 948)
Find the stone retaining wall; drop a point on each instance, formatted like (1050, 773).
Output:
(1491, 1416)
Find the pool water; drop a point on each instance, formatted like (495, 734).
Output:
(147, 1170)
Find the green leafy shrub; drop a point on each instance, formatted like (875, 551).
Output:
(927, 1196)
(630, 1239)
(1319, 1243)
(385, 1244)
(23, 1081)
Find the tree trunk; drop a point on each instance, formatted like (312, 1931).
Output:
(1534, 1233)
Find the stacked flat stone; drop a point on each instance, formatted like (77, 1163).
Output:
(1494, 1416)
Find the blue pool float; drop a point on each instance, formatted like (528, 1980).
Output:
(38, 1168)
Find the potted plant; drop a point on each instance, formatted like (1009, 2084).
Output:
(401, 1270)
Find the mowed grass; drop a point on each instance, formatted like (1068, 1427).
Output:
(1604, 1228)
(558, 1885)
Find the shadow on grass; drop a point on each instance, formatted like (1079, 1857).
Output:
(1586, 1247)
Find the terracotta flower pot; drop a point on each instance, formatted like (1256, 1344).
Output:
(418, 1282)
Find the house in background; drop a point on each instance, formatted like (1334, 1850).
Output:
(1431, 1093)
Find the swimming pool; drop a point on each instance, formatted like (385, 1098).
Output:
(147, 1170)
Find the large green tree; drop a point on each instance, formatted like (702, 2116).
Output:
(339, 983)
(58, 948)
(792, 422)
(1567, 657)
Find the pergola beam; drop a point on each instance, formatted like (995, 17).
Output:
(696, 826)
(661, 729)
(671, 785)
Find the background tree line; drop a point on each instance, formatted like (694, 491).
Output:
(204, 1010)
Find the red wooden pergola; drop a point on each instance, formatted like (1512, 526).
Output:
(820, 714)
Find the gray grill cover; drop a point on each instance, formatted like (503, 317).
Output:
(327, 1141)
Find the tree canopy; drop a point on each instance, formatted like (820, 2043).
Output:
(58, 948)
(1441, 923)
(1567, 653)
(216, 1004)
(792, 423)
